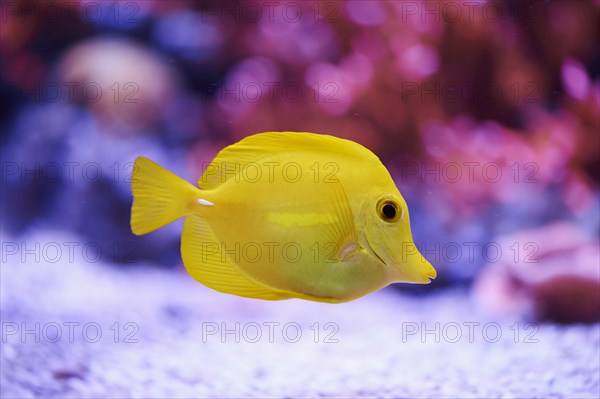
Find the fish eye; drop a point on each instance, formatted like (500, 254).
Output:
(388, 210)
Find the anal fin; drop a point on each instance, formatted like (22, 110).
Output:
(205, 262)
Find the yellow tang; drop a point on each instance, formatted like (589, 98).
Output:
(284, 215)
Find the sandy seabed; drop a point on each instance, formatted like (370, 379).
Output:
(77, 329)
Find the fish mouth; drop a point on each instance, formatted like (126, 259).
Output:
(430, 275)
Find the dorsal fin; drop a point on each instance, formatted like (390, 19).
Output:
(260, 146)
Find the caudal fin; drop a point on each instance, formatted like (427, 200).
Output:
(159, 196)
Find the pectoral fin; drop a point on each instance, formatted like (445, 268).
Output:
(342, 232)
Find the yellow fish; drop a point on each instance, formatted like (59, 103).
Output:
(284, 215)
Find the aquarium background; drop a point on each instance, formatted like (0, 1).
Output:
(486, 114)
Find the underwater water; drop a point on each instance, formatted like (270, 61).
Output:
(486, 115)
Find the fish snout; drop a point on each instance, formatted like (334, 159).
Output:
(413, 267)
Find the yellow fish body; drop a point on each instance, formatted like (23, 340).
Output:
(284, 215)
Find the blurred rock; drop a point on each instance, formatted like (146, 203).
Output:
(122, 82)
(556, 276)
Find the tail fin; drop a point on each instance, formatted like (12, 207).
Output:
(159, 197)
